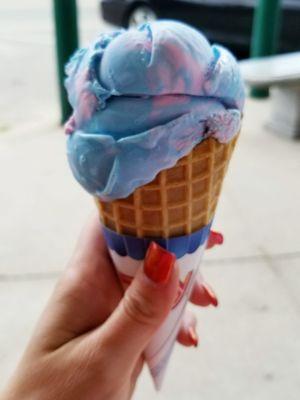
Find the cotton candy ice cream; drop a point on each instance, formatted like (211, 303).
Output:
(143, 99)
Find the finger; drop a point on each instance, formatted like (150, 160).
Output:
(187, 335)
(202, 294)
(215, 238)
(87, 292)
(145, 305)
(90, 253)
(91, 268)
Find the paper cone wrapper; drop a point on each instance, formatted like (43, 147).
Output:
(123, 250)
(176, 210)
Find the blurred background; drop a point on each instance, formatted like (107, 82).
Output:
(249, 346)
(228, 22)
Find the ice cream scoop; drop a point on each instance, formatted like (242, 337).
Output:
(143, 99)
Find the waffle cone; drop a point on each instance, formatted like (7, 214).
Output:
(179, 201)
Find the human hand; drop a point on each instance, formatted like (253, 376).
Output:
(90, 339)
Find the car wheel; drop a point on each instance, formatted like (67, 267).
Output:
(140, 15)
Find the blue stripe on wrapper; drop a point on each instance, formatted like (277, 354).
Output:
(136, 248)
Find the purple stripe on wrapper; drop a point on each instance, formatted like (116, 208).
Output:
(136, 248)
(115, 241)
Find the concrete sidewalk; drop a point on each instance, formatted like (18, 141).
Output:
(250, 345)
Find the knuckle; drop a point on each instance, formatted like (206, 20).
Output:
(140, 308)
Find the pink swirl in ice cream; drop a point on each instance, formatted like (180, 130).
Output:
(142, 99)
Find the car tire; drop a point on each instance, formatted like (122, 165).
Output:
(141, 14)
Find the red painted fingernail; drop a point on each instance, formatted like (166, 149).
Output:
(193, 336)
(214, 238)
(210, 294)
(159, 263)
(218, 237)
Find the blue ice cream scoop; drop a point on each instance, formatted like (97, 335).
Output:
(144, 98)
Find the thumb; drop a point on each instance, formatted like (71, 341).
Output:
(144, 307)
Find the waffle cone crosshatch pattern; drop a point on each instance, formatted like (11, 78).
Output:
(179, 201)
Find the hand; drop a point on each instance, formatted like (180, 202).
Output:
(202, 295)
(90, 339)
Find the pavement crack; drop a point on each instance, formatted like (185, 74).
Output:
(268, 259)
(254, 258)
(272, 264)
(29, 276)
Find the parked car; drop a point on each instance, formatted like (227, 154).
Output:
(228, 22)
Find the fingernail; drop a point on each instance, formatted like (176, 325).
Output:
(193, 336)
(210, 294)
(216, 237)
(158, 264)
(219, 238)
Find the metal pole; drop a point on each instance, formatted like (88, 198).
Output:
(265, 33)
(66, 34)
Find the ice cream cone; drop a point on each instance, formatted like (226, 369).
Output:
(156, 110)
(176, 210)
(179, 201)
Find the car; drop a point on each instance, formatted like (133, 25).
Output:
(227, 22)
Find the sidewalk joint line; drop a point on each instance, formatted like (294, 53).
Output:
(254, 258)
(40, 276)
